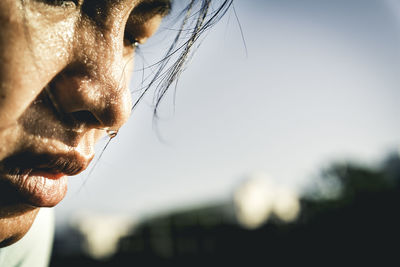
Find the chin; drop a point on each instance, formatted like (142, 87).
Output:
(17, 224)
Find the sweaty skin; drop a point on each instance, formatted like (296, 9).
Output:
(64, 74)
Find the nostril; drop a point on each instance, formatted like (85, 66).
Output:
(86, 117)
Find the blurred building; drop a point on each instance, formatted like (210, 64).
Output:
(361, 226)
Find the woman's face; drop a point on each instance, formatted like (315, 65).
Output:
(65, 67)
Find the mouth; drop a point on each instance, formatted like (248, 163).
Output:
(38, 179)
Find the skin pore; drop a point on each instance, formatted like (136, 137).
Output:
(64, 73)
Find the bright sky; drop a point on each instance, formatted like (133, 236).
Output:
(320, 83)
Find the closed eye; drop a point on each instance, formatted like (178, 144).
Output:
(130, 40)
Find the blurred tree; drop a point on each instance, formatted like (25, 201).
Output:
(360, 226)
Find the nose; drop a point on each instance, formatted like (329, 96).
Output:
(93, 87)
(98, 102)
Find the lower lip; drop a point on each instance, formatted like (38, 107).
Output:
(41, 189)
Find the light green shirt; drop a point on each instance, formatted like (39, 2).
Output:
(34, 249)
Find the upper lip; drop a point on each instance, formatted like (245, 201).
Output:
(69, 164)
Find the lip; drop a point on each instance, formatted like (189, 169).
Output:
(36, 190)
(39, 179)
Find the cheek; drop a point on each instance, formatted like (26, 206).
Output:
(28, 63)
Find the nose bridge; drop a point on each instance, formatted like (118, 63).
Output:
(94, 81)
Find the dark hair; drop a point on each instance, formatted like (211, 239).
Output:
(197, 17)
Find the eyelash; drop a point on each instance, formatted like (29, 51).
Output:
(132, 41)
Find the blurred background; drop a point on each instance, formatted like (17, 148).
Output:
(282, 148)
